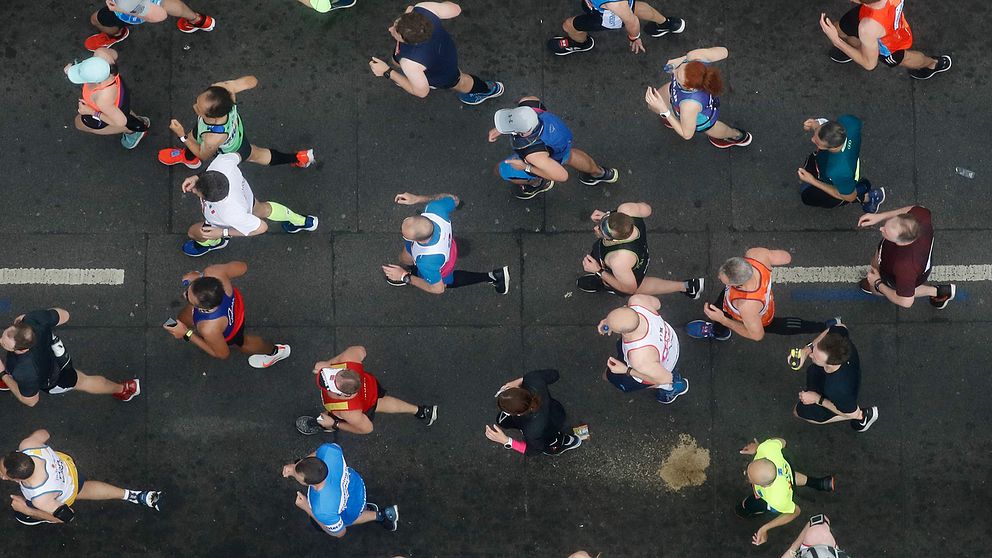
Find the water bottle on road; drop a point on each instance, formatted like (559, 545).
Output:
(964, 172)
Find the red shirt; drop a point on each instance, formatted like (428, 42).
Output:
(906, 267)
(365, 399)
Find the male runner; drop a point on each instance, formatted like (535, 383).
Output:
(772, 478)
(114, 19)
(746, 305)
(815, 541)
(351, 396)
(876, 31)
(105, 107)
(902, 264)
(219, 129)
(430, 252)
(36, 361)
(427, 56)
(647, 351)
(335, 498)
(324, 6)
(832, 173)
(231, 209)
(214, 318)
(619, 259)
(542, 145)
(50, 484)
(606, 15)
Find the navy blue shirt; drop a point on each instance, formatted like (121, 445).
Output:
(437, 54)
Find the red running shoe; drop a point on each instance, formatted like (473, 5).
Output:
(207, 23)
(171, 156)
(725, 143)
(304, 159)
(131, 390)
(99, 40)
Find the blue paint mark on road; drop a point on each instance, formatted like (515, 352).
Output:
(848, 295)
(5, 304)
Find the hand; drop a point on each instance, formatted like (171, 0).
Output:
(602, 328)
(868, 220)
(615, 366)
(511, 384)
(178, 331)
(636, 46)
(493, 135)
(192, 276)
(19, 504)
(177, 128)
(805, 176)
(809, 397)
(394, 272)
(714, 314)
(872, 277)
(288, 470)
(810, 124)
(66, 69)
(597, 216)
(495, 433)
(320, 364)
(677, 61)
(378, 67)
(85, 109)
(188, 184)
(211, 233)
(590, 265)
(760, 537)
(830, 31)
(751, 448)
(112, 6)
(657, 100)
(406, 198)
(516, 163)
(301, 501)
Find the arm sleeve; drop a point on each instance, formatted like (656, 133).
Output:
(442, 207)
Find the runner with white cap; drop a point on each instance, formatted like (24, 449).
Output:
(105, 106)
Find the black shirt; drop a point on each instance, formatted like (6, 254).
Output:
(638, 246)
(540, 428)
(36, 369)
(841, 386)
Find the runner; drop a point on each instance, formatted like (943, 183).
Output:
(105, 108)
(335, 498)
(542, 145)
(36, 360)
(214, 317)
(114, 19)
(230, 208)
(526, 404)
(815, 541)
(430, 252)
(772, 478)
(831, 175)
(51, 484)
(324, 6)
(746, 305)
(619, 259)
(219, 129)
(427, 57)
(876, 31)
(902, 264)
(351, 396)
(693, 103)
(647, 351)
(606, 15)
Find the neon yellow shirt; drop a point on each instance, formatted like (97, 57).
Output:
(778, 495)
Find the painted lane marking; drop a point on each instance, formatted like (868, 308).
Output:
(854, 273)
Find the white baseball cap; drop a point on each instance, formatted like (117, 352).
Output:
(520, 120)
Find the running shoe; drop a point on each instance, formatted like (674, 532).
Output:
(875, 198)
(304, 159)
(101, 40)
(501, 279)
(943, 64)
(569, 443)
(838, 56)
(743, 141)
(694, 287)
(132, 388)
(528, 191)
(495, 90)
(308, 426)
(945, 294)
(342, 4)
(795, 359)
(590, 283)
(562, 46)
(28, 520)
(701, 329)
(865, 286)
(672, 25)
(132, 139)
(3, 386)
(194, 249)
(609, 176)
(172, 156)
(427, 413)
(265, 361)
(868, 418)
(207, 23)
(310, 224)
(147, 498)
(680, 386)
(390, 517)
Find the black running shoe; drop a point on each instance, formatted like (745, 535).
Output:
(945, 294)
(838, 56)
(823, 484)
(308, 426)
(590, 283)
(869, 418)
(391, 518)
(501, 279)
(609, 176)
(562, 46)
(28, 520)
(427, 413)
(671, 25)
(943, 64)
(571, 442)
(528, 191)
(694, 287)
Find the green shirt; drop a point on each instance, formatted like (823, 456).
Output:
(233, 128)
(778, 495)
(843, 169)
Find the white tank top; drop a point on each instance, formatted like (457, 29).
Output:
(660, 335)
(443, 244)
(61, 475)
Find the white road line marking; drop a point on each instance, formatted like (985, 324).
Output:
(72, 276)
(854, 273)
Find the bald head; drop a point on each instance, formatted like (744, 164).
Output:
(622, 320)
(762, 472)
(417, 228)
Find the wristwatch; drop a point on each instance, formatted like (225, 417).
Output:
(387, 73)
(226, 234)
(665, 113)
(406, 278)
(509, 443)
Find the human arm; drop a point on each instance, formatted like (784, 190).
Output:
(710, 54)
(412, 79)
(336, 530)
(869, 32)
(871, 219)
(631, 23)
(621, 278)
(406, 198)
(644, 366)
(880, 287)
(749, 327)
(206, 149)
(685, 123)
(353, 421)
(769, 257)
(37, 439)
(230, 270)
(761, 536)
(830, 189)
(496, 434)
(443, 10)
(794, 547)
(397, 273)
(211, 232)
(814, 398)
(541, 164)
(635, 209)
(41, 507)
(238, 85)
(208, 336)
(354, 353)
(108, 111)
(15, 390)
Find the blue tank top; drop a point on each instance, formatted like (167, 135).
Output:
(437, 54)
(711, 105)
(226, 309)
(554, 135)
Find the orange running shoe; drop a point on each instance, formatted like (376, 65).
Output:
(100, 40)
(172, 156)
(207, 23)
(304, 159)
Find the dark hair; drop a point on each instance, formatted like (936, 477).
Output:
(620, 225)
(348, 381)
(314, 470)
(414, 28)
(23, 336)
(208, 292)
(703, 77)
(213, 185)
(910, 228)
(220, 101)
(836, 346)
(518, 401)
(19, 465)
(832, 134)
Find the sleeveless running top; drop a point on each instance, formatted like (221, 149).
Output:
(232, 307)
(660, 336)
(90, 88)
(365, 399)
(443, 246)
(639, 246)
(62, 476)
(133, 10)
(437, 55)
(233, 127)
(711, 105)
(553, 134)
(898, 35)
(762, 294)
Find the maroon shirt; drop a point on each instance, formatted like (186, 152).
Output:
(906, 267)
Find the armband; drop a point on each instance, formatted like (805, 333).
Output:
(818, 519)
(183, 138)
(877, 283)
(64, 514)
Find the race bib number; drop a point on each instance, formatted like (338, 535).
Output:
(611, 20)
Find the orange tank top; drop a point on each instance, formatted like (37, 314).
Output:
(89, 89)
(897, 36)
(762, 294)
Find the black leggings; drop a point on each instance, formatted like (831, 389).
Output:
(815, 197)
(779, 326)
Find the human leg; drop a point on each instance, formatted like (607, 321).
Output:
(576, 35)
(583, 162)
(96, 384)
(97, 490)
(658, 286)
(275, 211)
(916, 60)
(393, 405)
(255, 345)
(646, 12)
(722, 131)
(815, 197)
(178, 8)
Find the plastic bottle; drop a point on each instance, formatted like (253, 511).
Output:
(964, 172)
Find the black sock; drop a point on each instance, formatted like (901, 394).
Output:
(188, 155)
(421, 411)
(463, 278)
(135, 124)
(280, 158)
(479, 85)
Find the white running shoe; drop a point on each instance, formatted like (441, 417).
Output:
(265, 361)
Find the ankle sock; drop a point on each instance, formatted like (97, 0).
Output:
(212, 242)
(479, 85)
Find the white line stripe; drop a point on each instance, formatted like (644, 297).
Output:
(854, 273)
(73, 276)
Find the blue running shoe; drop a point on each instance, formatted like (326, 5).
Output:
(680, 386)
(195, 249)
(701, 329)
(495, 90)
(875, 198)
(309, 225)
